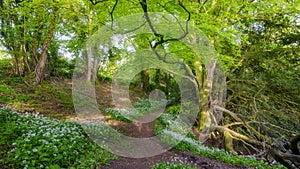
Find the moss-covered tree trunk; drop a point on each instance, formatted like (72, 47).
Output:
(204, 77)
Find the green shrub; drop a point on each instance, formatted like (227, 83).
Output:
(5, 65)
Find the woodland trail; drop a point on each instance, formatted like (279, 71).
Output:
(142, 130)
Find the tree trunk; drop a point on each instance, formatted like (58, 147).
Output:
(25, 57)
(95, 69)
(35, 60)
(205, 84)
(145, 81)
(18, 67)
(89, 65)
(40, 67)
(89, 50)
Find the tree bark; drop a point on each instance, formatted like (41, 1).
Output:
(40, 67)
(205, 87)
(145, 81)
(89, 65)
(95, 69)
(25, 56)
(89, 50)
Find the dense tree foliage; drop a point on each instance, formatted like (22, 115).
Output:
(257, 41)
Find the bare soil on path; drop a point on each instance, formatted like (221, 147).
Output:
(172, 156)
(142, 130)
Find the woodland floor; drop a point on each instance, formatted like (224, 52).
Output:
(104, 100)
(146, 130)
(172, 156)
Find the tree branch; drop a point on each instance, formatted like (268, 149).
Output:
(132, 30)
(186, 31)
(238, 135)
(96, 2)
(144, 6)
(112, 11)
(203, 5)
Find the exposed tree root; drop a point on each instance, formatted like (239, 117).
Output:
(285, 152)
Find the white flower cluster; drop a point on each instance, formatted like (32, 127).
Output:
(191, 141)
(141, 108)
(43, 134)
(49, 130)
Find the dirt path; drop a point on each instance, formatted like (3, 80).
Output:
(172, 156)
(141, 130)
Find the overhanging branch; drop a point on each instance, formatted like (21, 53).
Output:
(112, 11)
(144, 6)
(96, 2)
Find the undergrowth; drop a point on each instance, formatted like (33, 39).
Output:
(47, 98)
(140, 108)
(31, 141)
(187, 143)
(271, 101)
(163, 165)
